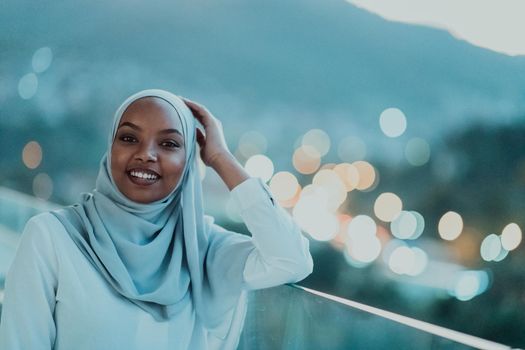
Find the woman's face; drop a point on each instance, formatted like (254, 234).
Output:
(148, 153)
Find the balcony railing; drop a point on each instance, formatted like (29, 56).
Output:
(285, 317)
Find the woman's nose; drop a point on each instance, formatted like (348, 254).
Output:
(147, 153)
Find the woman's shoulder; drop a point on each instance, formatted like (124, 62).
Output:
(41, 229)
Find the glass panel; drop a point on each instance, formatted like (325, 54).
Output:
(287, 317)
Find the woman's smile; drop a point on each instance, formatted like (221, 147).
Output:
(143, 177)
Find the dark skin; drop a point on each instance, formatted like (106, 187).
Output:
(148, 154)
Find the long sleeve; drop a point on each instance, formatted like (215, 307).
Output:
(276, 253)
(30, 289)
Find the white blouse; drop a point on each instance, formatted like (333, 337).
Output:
(55, 299)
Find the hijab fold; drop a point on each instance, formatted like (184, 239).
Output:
(152, 254)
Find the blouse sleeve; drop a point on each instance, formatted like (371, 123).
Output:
(30, 288)
(276, 253)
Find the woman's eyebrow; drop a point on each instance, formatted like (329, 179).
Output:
(136, 127)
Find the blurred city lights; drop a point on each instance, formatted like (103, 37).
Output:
(490, 247)
(312, 214)
(387, 206)
(306, 159)
(469, 284)
(363, 245)
(450, 226)
(260, 166)
(42, 186)
(420, 262)
(42, 59)
(364, 248)
(317, 139)
(404, 226)
(332, 184)
(27, 86)
(402, 260)
(284, 185)
(252, 143)
(351, 149)
(367, 175)
(362, 225)
(420, 225)
(32, 155)
(511, 236)
(393, 122)
(348, 174)
(417, 151)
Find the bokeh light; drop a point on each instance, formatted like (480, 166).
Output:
(362, 225)
(364, 248)
(260, 166)
(333, 185)
(348, 174)
(306, 159)
(351, 149)
(404, 226)
(420, 262)
(363, 245)
(417, 151)
(470, 284)
(367, 175)
(402, 260)
(42, 59)
(393, 122)
(252, 143)
(450, 226)
(387, 206)
(27, 86)
(312, 214)
(42, 186)
(284, 185)
(317, 139)
(511, 236)
(490, 247)
(32, 155)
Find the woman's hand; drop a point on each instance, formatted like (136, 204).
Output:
(214, 150)
(212, 143)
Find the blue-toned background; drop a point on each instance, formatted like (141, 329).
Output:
(398, 148)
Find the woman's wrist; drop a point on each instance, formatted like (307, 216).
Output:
(229, 169)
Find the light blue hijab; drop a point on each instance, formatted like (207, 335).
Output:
(152, 254)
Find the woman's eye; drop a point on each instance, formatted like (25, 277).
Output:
(127, 138)
(170, 144)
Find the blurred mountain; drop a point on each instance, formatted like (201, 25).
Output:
(279, 67)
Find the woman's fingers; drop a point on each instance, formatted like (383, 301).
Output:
(201, 112)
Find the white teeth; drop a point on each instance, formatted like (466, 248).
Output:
(143, 175)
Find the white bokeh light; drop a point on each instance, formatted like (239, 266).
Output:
(490, 247)
(42, 59)
(260, 166)
(450, 226)
(511, 236)
(387, 206)
(317, 139)
(27, 86)
(393, 122)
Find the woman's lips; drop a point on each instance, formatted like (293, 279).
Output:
(143, 177)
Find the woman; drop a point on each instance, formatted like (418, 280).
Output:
(136, 264)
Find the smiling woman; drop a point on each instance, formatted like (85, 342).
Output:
(138, 253)
(148, 155)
